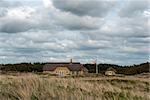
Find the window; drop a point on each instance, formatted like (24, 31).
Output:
(72, 72)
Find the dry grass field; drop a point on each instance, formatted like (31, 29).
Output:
(41, 87)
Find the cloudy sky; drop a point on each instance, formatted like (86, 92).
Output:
(113, 31)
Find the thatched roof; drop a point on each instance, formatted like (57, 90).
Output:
(111, 69)
(70, 66)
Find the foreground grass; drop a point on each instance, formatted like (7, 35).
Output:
(35, 87)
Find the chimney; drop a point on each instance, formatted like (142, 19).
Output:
(70, 61)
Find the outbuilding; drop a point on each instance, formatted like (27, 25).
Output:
(110, 72)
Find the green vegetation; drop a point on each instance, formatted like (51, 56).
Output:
(127, 70)
(42, 87)
(38, 67)
(22, 67)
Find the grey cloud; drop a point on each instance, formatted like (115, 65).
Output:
(135, 27)
(28, 18)
(93, 45)
(26, 51)
(22, 19)
(108, 51)
(95, 8)
(134, 8)
(14, 26)
(7, 4)
(13, 21)
(73, 22)
(3, 12)
(124, 28)
(139, 41)
(66, 32)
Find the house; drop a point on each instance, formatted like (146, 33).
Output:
(110, 71)
(65, 68)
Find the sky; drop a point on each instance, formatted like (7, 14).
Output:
(111, 31)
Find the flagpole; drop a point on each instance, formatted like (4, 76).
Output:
(96, 66)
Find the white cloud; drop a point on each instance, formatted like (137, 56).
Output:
(48, 4)
(24, 18)
(81, 30)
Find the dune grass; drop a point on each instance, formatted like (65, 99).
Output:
(35, 87)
